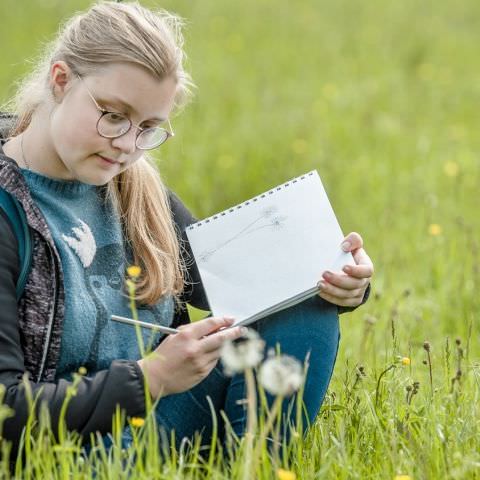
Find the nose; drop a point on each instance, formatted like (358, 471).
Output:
(126, 143)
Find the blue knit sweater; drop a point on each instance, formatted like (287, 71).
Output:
(88, 236)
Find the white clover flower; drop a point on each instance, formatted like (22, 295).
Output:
(281, 375)
(245, 352)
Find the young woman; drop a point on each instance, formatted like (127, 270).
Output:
(73, 155)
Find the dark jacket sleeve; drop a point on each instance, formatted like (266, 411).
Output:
(91, 409)
(365, 298)
(194, 293)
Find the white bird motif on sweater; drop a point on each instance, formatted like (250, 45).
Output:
(83, 244)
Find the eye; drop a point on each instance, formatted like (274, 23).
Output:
(115, 117)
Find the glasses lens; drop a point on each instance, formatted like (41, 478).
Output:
(112, 125)
(151, 138)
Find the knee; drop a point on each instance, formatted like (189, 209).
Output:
(308, 326)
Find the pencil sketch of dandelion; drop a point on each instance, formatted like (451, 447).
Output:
(267, 219)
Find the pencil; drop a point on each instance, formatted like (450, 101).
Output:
(151, 326)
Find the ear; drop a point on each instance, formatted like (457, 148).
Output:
(61, 78)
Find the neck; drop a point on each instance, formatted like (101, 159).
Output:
(38, 153)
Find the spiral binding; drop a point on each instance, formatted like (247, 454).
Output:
(248, 202)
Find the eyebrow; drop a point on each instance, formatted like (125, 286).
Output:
(127, 106)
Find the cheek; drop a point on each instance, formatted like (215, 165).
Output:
(75, 135)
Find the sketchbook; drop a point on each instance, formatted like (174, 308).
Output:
(269, 252)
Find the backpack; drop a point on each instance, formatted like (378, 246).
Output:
(18, 220)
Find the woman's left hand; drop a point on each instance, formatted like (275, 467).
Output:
(347, 288)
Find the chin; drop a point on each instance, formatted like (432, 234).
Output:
(96, 180)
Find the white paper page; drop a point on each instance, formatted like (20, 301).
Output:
(268, 249)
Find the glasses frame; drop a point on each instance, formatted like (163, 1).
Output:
(103, 111)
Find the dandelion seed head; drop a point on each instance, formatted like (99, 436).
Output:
(281, 375)
(242, 353)
(278, 222)
(269, 211)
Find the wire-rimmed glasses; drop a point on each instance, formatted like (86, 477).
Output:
(115, 124)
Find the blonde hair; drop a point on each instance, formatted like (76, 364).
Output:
(107, 33)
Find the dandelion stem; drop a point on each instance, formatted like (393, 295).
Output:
(249, 466)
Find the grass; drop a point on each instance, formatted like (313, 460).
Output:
(382, 98)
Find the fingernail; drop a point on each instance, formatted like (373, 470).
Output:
(321, 285)
(347, 269)
(346, 246)
(327, 274)
(244, 331)
(228, 319)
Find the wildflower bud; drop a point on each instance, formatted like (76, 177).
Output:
(361, 369)
(408, 388)
(459, 373)
(424, 362)
(405, 361)
(426, 346)
(407, 292)
(458, 341)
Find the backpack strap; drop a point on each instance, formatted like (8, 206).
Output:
(15, 213)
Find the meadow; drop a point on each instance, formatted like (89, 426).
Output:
(382, 99)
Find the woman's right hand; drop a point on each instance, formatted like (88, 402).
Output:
(184, 359)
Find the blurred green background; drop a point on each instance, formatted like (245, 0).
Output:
(381, 97)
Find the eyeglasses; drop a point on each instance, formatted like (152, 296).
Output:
(114, 125)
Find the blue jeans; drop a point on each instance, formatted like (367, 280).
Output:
(311, 326)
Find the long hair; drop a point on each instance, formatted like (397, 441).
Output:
(112, 32)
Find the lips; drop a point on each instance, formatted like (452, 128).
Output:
(109, 160)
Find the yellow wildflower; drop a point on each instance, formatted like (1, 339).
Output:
(405, 361)
(451, 169)
(82, 371)
(285, 474)
(434, 229)
(137, 422)
(402, 477)
(134, 271)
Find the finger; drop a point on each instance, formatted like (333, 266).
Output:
(344, 281)
(213, 356)
(361, 257)
(341, 302)
(359, 271)
(351, 242)
(208, 325)
(337, 292)
(216, 340)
